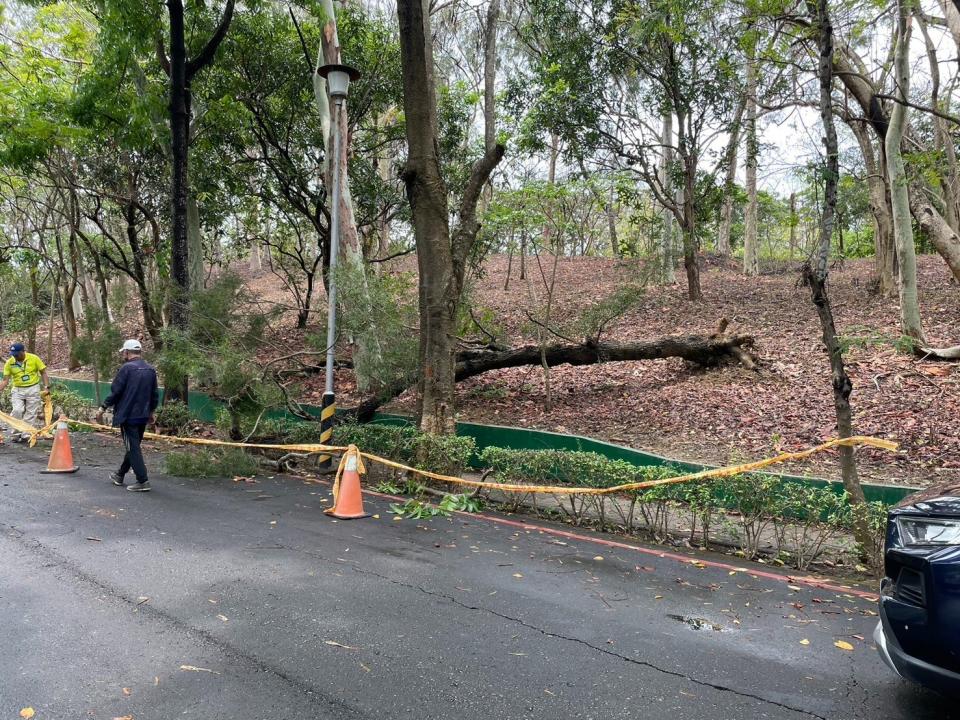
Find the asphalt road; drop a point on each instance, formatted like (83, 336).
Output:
(214, 599)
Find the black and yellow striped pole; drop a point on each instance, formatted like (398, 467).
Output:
(328, 408)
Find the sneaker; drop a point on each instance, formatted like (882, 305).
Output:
(116, 479)
(140, 486)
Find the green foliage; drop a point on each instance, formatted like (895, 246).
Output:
(69, 403)
(597, 316)
(220, 350)
(871, 338)
(173, 418)
(386, 313)
(97, 345)
(231, 462)
(414, 509)
(442, 454)
(798, 520)
(462, 503)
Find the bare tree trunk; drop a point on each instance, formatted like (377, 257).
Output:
(195, 244)
(667, 218)
(885, 253)
(816, 271)
(441, 258)
(181, 71)
(793, 224)
(943, 142)
(899, 194)
(35, 298)
(726, 217)
(751, 251)
(490, 75)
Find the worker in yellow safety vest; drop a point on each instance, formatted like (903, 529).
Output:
(27, 372)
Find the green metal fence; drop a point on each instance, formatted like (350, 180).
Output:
(205, 408)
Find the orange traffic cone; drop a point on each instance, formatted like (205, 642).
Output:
(61, 456)
(347, 496)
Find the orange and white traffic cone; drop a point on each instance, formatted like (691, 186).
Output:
(347, 496)
(61, 456)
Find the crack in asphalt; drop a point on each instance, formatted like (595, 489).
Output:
(54, 560)
(605, 651)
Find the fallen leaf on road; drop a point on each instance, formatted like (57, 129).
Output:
(794, 587)
(598, 557)
(843, 645)
(697, 564)
(211, 600)
(222, 617)
(27, 712)
(804, 642)
(518, 575)
(365, 668)
(376, 517)
(194, 668)
(658, 597)
(156, 681)
(241, 478)
(549, 693)
(126, 691)
(858, 637)
(339, 645)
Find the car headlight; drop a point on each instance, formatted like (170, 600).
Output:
(929, 531)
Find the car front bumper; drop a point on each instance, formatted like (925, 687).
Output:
(906, 666)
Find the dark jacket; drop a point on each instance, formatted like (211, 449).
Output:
(133, 394)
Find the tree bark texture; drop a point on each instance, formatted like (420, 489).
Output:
(705, 350)
(945, 239)
(751, 251)
(441, 257)
(897, 174)
(182, 71)
(724, 248)
(885, 253)
(666, 214)
(815, 272)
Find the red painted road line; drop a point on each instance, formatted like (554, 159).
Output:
(685, 559)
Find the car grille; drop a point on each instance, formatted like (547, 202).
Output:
(910, 587)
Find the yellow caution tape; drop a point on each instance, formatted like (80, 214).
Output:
(352, 451)
(47, 407)
(23, 427)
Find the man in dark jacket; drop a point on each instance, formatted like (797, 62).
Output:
(133, 396)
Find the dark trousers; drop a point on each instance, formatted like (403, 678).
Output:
(132, 436)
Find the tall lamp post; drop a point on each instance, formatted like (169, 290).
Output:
(338, 79)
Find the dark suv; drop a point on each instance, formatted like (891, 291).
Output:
(918, 635)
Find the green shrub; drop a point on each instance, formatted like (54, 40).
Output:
(874, 515)
(806, 519)
(230, 462)
(756, 500)
(174, 417)
(69, 403)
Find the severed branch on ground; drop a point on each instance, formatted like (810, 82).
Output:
(704, 350)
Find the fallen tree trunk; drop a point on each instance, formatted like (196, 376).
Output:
(707, 350)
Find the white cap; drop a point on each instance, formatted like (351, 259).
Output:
(131, 345)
